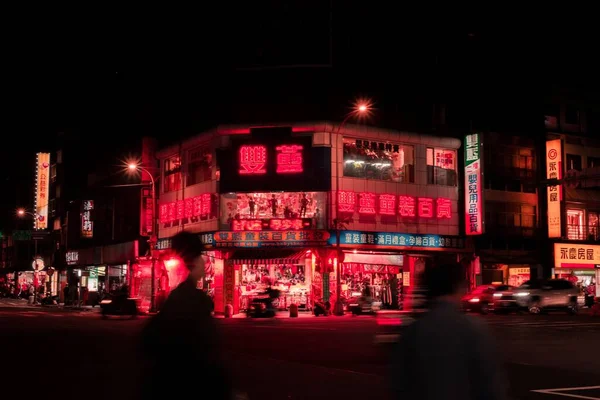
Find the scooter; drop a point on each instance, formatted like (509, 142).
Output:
(119, 306)
(322, 308)
(261, 308)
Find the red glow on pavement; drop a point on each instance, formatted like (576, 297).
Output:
(289, 159)
(253, 160)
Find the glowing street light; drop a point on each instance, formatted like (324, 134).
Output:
(362, 109)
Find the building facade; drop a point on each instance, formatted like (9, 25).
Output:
(572, 195)
(269, 204)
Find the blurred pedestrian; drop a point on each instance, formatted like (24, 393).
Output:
(447, 354)
(180, 342)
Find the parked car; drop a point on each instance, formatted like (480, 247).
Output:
(488, 298)
(539, 296)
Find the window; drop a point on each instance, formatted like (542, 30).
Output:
(199, 165)
(57, 191)
(575, 226)
(52, 207)
(573, 162)
(593, 162)
(172, 173)
(59, 156)
(571, 115)
(441, 167)
(593, 226)
(53, 173)
(380, 161)
(510, 215)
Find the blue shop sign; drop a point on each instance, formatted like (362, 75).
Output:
(392, 239)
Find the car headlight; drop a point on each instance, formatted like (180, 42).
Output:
(497, 294)
(522, 294)
(474, 300)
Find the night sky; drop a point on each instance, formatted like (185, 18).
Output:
(171, 78)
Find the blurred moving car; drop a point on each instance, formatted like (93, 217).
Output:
(539, 296)
(488, 298)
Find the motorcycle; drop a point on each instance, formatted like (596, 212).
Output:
(119, 306)
(322, 308)
(264, 305)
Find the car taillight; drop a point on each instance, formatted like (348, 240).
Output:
(474, 300)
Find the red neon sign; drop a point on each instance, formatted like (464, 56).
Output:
(289, 159)
(444, 208)
(189, 207)
(197, 205)
(275, 224)
(253, 160)
(366, 203)
(425, 207)
(172, 212)
(406, 206)
(163, 213)
(387, 204)
(180, 209)
(205, 205)
(346, 201)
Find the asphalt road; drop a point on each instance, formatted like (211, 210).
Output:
(67, 355)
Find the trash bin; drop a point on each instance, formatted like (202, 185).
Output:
(293, 311)
(228, 311)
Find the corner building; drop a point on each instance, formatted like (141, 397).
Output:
(265, 202)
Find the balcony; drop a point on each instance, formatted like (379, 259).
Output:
(589, 232)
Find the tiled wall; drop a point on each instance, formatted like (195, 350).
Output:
(418, 189)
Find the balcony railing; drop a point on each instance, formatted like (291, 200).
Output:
(583, 232)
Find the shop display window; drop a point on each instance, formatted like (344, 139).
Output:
(575, 225)
(172, 174)
(380, 161)
(593, 226)
(441, 167)
(273, 211)
(199, 165)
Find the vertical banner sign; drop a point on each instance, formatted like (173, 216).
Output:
(42, 189)
(473, 183)
(146, 212)
(554, 171)
(87, 225)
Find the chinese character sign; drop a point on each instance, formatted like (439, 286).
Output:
(346, 201)
(42, 189)
(576, 256)
(147, 211)
(253, 159)
(554, 171)
(393, 239)
(199, 207)
(366, 203)
(289, 159)
(87, 225)
(473, 182)
(387, 204)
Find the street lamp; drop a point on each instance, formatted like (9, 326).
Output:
(153, 239)
(362, 109)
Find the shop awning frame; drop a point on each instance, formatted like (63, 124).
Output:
(292, 259)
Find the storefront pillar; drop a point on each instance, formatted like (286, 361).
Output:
(231, 294)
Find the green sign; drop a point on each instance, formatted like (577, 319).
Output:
(21, 235)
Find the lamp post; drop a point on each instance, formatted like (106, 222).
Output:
(153, 238)
(21, 212)
(361, 108)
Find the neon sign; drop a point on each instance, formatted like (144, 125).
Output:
(366, 203)
(425, 207)
(406, 206)
(473, 182)
(289, 159)
(87, 225)
(273, 224)
(387, 204)
(253, 160)
(192, 207)
(444, 208)
(346, 201)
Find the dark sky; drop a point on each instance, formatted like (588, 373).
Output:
(169, 77)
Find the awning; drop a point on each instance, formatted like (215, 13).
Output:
(254, 257)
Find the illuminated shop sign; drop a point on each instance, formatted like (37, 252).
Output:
(570, 255)
(198, 207)
(254, 159)
(407, 206)
(272, 211)
(146, 213)
(273, 224)
(42, 189)
(87, 225)
(232, 239)
(554, 193)
(389, 239)
(72, 257)
(473, 183)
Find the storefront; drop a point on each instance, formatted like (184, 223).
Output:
(580, 264)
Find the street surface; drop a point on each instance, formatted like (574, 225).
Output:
(53, 353)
